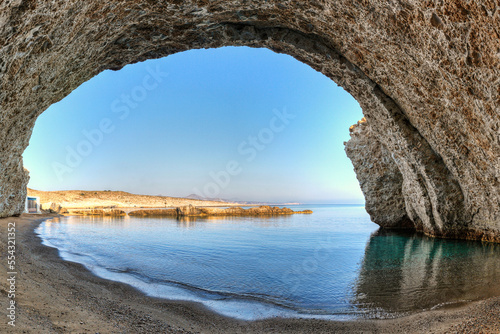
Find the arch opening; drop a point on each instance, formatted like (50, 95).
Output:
(449, 184)
(282, 123)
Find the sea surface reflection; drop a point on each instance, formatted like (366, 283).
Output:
(404, 272)
(333, 264)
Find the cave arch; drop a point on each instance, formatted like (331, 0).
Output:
(426, 77)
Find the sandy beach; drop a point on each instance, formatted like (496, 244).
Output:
(55, 296)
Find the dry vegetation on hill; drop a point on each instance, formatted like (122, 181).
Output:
(79, 199)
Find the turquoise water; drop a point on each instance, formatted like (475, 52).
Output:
(333, 264)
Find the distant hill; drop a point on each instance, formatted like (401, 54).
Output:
(81, 199)
(197, 197)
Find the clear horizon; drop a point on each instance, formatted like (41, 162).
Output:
(234, 123)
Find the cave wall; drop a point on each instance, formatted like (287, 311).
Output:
(426, 74)
(379, 178)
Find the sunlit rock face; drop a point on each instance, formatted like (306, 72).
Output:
(379, 178)
(13, 181)
(427, 76)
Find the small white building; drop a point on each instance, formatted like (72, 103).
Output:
(32, 205)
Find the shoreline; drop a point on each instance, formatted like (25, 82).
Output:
(54, 296)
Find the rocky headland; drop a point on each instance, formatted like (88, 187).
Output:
(79, 199)
(120, 203)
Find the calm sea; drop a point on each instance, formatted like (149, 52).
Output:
(333, 264)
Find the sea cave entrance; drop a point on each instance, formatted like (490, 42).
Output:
(174, 126)
(404, 82)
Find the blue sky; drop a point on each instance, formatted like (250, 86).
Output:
(235, 123)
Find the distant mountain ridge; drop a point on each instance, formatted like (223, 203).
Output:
(200, 198)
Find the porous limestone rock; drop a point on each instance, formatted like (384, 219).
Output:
(96, 212)
(426, 74)
(51, 207)
(188, 210)
(13, 180)
(379, 178)
(193, 211)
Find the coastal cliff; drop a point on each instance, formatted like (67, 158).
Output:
(425, 74)
(419, 194)
(379, 178)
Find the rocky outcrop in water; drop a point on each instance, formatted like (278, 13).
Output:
(154, 213)
(52, 207)
(426, 74)
(99, 212)
(192, 211)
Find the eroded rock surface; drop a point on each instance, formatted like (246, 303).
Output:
(426, 74)
(379, 178)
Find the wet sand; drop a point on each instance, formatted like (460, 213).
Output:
(55, 296)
